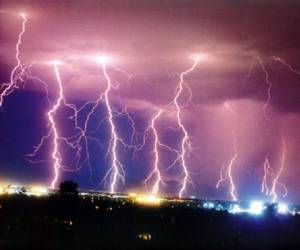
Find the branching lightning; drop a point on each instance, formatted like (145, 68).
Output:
(275, 183)
(116, 171)
(18, 71)
(55, 153)
(228, 175)
(267, 169)
(269, 88)
(155, 173)
(268, 172)
(78, 142)
(186, 146)
(271, 178)
(290, 67)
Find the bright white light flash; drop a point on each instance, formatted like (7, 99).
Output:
(282, 208)
(200, 57)
(256, 207)
(236, 209)
(103, 59)
(23, 14)
(208, 205)
(55, 62)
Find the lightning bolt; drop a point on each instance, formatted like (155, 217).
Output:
(78, 142)
(229, 168)
(267, 172)
(18, 71)
(259, 61)
(266, 166)
(155, 176)
(56, 156)
(222, 176)
(155, 173)
(275, 182)
(269, 87)
(116, 171)
(290, 67)
(250, 69)
(186, 146)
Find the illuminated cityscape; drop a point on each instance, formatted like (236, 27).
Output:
(255, 207)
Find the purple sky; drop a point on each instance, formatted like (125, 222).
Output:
(153, 41)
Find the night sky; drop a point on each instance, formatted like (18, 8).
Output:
(153, 41)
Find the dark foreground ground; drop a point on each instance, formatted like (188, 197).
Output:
(58, 222)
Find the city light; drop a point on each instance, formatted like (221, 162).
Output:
(145, 199)
(282, 208)
(236, 209)
(37, 191)
(209, 205)
(29, 190)
(256, 207)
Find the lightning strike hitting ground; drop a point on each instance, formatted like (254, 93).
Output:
(18, 71)
(267, 173)
(155, 173)
(273, 193)
(266, 167)
(71, 126)
(229, 168)
(116, 171)
(55, 153)
(78, 142)
(186, 146)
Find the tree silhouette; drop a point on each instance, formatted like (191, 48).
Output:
(68, 200)
(270, 210)
(68, 188)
